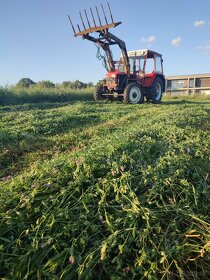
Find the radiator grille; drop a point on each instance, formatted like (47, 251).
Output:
(110, 80)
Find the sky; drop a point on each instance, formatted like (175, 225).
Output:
(37, 42)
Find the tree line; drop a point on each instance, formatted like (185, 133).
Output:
(26, 83)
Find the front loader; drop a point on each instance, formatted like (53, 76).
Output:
(137, 74)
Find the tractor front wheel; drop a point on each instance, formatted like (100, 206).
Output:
(120, 97)
(98, 94)
(133, 94)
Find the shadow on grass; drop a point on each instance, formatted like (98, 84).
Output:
(15, 148)
(12, 155)
(65, 124)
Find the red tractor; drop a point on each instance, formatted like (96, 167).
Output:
(136, 75)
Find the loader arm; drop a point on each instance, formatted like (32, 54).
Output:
(107, 39)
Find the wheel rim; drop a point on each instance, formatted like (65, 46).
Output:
(158, 91)
(135, 95)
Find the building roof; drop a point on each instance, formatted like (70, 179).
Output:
(180, 77)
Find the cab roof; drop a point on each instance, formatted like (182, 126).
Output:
(142, 53)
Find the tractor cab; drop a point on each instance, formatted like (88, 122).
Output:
(145, 65)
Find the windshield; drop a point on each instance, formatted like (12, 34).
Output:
(136, 64)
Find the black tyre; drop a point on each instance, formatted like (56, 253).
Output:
(133, 94)
(98, 94)
(120, 98)
(156, 92)
(110, 97)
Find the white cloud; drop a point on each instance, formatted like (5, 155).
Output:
(204, 48)
(149, 40)
(176, 42)
(199, 23)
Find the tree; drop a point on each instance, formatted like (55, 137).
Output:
(90, 84)
(78, 84)
(68, 84)
(46, 84)
(100, 82)
(25, 82)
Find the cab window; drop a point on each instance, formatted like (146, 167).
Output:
(149, 66)
(158, 61)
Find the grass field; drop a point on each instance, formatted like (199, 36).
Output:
(14, 95)
(105, 190)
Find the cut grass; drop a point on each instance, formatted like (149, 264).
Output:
(105, 191)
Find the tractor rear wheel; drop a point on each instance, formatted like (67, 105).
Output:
(133, 94)
(156, 92)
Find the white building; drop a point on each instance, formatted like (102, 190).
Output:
(188, 84)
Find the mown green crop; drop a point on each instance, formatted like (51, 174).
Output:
(105, 191)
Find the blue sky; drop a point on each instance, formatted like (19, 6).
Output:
(36, 40)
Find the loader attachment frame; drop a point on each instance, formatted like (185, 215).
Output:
(103, 37)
